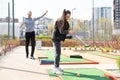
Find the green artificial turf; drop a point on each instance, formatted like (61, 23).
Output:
(51, 55)
(85, 74)
(105, 55)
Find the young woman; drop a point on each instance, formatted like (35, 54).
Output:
(29, 23)
(60, 31)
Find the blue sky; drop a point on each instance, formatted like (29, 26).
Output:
(54, 7)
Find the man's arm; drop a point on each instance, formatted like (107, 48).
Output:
(41, 16)
(22, 24)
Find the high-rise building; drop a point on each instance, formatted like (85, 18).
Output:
(116, 5)
(102, 13)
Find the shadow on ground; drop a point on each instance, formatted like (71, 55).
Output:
(22, 70)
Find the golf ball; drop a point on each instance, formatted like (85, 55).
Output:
(78, 74)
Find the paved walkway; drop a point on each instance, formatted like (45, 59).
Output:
(15, 66)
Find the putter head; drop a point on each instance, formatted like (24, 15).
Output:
(87, 45)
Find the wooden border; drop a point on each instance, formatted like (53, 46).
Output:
(72, 63)
(109, 75)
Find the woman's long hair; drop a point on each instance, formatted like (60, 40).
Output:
(62, 19)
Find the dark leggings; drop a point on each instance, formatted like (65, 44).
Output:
(30, 36)
(57, 46)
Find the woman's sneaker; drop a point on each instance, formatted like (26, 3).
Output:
(58, 71)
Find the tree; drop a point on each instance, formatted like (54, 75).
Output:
(106, 27)
(50, 28)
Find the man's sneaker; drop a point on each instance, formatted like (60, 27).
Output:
(57, 71)
(32, 57)
(27, 56)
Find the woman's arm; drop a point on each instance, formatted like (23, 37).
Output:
(61, 30)
(35, 19)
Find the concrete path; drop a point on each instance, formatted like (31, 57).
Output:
(14, 66)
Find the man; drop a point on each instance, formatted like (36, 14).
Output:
(29, 23)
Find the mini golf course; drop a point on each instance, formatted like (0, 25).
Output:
(84, 74)
(64, 59)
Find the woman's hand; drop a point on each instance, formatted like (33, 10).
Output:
(71, 32)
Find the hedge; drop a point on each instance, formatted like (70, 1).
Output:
(48, 43)
(42, 37)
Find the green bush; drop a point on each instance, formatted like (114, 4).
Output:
(43, 37)
(107, 49)
(4, 36)
(47, 42)
(66, 43)
(118, 63)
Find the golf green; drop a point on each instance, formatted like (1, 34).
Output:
(85, 74)
(51, 55)
(105, 55)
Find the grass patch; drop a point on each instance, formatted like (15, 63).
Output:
(51, 55)
(105, 55)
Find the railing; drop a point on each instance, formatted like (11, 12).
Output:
(7, 45)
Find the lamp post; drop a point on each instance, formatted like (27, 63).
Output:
(72, 16)
(8, 19)
(93, 23)
(13, 19)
